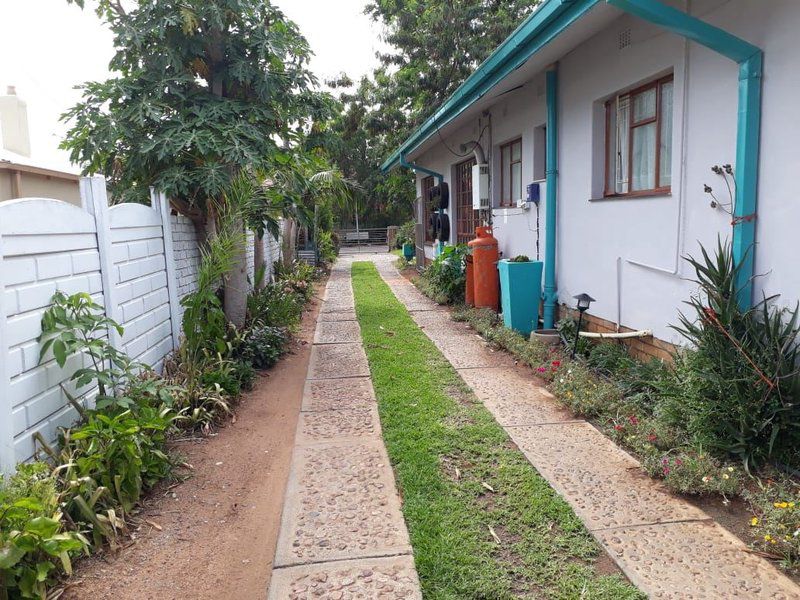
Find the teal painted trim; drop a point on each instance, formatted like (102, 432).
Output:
(748, 131)
(690, 27)
(747, 167)
(404, 163)
(541, 27)
(550, 294)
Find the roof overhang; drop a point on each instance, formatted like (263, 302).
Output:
(532, 38)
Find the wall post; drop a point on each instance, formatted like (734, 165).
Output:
(95, 199)
(161, 203)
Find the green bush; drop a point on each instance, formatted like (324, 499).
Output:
(264, 345)
(34, 545)
(444, 280)
(275, 306)
(406, 234)
(327, 246)
(738, 390)
(298, 278)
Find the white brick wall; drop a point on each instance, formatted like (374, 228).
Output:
(124, 258)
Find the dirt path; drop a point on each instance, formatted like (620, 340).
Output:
(219, 528)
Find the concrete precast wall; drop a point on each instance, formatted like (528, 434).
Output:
(136, 261)
(627, 252)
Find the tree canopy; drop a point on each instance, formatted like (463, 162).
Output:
(435, 45)
(202, 88)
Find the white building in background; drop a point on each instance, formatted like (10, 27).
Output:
(646, 104)
(22, 176)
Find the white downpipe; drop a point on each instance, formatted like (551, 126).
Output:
(617, 336)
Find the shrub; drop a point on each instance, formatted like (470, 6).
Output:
(444, 280)
(580, 390)
(739, 389)
(776, 519)
(406, 234)
(275, 306)
(264, 345)
(694, 471)
(34, 546)
(327, 246)
(298, 277)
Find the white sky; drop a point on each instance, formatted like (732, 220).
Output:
(48, 46)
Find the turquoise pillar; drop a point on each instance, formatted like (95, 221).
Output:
(550, 295)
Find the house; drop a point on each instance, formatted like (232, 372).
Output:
(20, 175)
(619, 109)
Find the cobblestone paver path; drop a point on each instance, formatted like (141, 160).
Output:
(342, 532)
(667, 547)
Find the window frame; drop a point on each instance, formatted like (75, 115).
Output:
(609, 187)
(426, 184)
(508, 203)
(466, 218)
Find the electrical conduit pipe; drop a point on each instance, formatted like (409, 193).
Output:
(550, 294)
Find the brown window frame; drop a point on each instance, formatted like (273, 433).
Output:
(505, 170)
(426, 184)
(467, 218)
(609, 190)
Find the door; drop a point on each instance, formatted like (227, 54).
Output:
(467, 219)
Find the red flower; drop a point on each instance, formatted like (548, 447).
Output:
(652, 437)
(634, 420)
(556, 363)
(619, 427)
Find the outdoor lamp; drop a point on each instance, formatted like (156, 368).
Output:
(584, 300)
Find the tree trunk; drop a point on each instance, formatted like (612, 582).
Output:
(289, 241)
(260, 268)
(236, 288)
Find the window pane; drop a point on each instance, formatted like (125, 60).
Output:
(516, 151)
(644, 105)
(516, 182)
(665, 158)
(623, 131)
(644, 158)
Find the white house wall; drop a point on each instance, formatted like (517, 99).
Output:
(626, 252)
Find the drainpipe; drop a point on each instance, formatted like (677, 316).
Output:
(750, 59)
(404, 163)
(550, 295)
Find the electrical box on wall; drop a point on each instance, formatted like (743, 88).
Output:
(480, 186)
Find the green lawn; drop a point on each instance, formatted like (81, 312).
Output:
(447, 452)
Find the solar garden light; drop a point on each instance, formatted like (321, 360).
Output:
(584, 300)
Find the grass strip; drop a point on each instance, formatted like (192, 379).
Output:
(483, 522)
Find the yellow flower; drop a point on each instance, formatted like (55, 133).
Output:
(767, 537)
(776, 504)
(791, 504)
(730, 469)
(726, 476)
(753, 521)
(781, 504)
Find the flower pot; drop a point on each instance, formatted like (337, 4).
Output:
(408, 251)
(521, 289)
(549, 337)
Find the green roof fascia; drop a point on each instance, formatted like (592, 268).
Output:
(541, 27)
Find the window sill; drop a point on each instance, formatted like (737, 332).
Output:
(634, 196)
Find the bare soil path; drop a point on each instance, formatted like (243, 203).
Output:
(219, 528)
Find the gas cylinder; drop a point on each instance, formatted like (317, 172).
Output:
(469, 294)
(486, 281)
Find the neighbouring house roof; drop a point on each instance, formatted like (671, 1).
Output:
(535, 33)
(11, 161)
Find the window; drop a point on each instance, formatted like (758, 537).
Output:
(639, 140)
(511, 173)
(427, 184)
(466, 218)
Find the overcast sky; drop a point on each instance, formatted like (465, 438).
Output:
(49, 46)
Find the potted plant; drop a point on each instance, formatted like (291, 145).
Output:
(520, 290)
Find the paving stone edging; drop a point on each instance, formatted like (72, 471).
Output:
(342, 531)
(667, 547)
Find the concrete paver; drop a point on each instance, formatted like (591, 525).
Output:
(335, 394)
(371, 579)
(337, 332)
(330, 361)
(664, 545)
(339, 425)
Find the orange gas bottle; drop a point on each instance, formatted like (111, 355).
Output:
(486, 281)
(469, 294)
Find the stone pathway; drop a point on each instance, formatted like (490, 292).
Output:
(667, 547)
(342, 532)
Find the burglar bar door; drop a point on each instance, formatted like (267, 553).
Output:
(467, 219)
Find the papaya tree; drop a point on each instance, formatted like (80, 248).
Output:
(200, 89)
